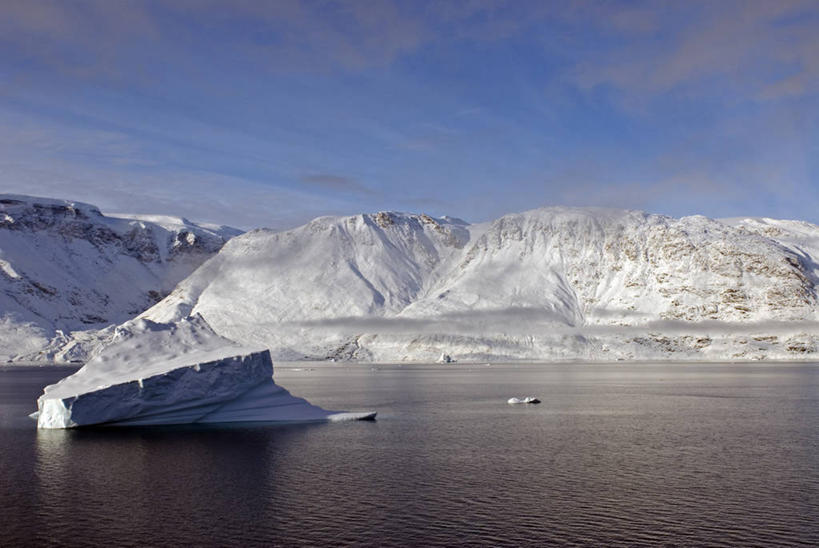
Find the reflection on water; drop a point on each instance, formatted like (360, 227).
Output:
(717, 455)
(183, 479)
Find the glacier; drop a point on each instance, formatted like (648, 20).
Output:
(181, 373)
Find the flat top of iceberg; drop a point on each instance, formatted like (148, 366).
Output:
(150, 348)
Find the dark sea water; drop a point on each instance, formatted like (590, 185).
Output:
(717, 455)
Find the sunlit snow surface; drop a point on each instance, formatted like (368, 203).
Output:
(552, 284)
(548, 284)
(175, 374)
(66, 268)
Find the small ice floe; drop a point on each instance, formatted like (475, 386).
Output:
(527, 399)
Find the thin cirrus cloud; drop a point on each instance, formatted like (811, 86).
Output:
(335, 182)
(763, 46)
(97, 38)
(473, 109)
(686, 41)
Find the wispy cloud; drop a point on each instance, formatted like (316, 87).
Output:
(334, 182)
(755, 48)
(118, 172)
(476, 107)
(99, 38)
(528, 321)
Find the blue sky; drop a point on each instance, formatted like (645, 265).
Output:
(271, 113)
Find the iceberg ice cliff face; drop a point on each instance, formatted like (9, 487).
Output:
(182, 373)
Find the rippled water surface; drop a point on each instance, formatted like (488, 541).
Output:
(615, 454)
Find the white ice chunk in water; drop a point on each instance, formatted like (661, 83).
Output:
(526, 399)
(175, 374)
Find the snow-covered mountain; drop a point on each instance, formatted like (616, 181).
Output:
(554, 283)
(64, 266)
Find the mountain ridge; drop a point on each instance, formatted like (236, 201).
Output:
(64, 266)
(524, 286)
(553, 283)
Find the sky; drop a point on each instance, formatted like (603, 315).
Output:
(254, 114)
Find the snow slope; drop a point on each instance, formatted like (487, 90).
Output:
(552, 283)
(174, 374)
(800, 237)
(64, 266)
(366, 266)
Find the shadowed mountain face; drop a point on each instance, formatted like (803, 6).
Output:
(64, 266)
(556, 283)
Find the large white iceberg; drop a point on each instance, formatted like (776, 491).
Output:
(178, 373)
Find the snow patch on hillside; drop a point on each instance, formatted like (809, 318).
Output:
(65, 267)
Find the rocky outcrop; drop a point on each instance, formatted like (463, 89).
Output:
(64, 266)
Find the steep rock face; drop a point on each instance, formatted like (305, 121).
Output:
(554, 283)
(594, 265)
(64, 266)
(800, 237)
(563, 283)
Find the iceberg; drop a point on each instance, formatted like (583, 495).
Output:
(527, 399)
(179, 373)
